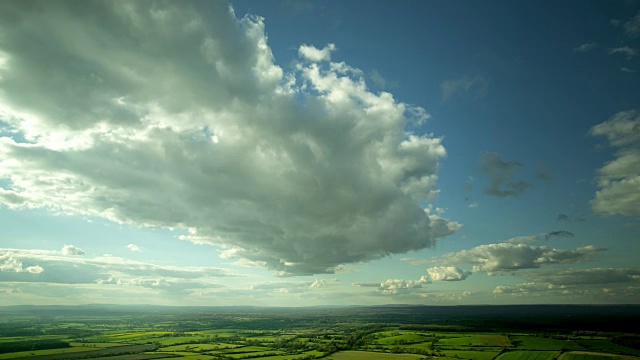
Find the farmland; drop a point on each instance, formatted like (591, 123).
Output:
(294, 334)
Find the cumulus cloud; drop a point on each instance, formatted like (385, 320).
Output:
(586, 47)
(395, 286)
(562, 217)
(9, 263)
(170, 118)
(134, 248)
(314, 54)
(619, 180)
(447, 273)
(464, 85)
(500, 174)
(71, 250)
(511, 257)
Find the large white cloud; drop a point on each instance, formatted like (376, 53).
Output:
(619, 179)
(155, 114)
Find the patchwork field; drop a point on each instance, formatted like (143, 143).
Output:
(288, 336)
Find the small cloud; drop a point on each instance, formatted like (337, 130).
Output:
(632, 27)
(562, 217)
(539, 237)
(585, 47)
(314, 54)
(447, 273)
(542, 172)
(366, 284)
(464, 85)
(626, 69)
(34, 269)
(134, 248)
(317, 284)
(500, 174)
(474, 205)
(9, 263)
(377, 79)
(615, 22)
(71, 250)
(624, 50)
(394, 286)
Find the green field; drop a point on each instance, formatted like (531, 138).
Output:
(541, 343)
(584, 355)
(528, 355)
(287, 335)
(470, 354)
(364, 355)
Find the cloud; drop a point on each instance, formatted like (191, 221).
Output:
(447, 273)
(619, 180)
(450, 88)
(377, 79)
(15, 264)
(511, 257)
(500, 173)
(539, 237)
(366, 284)
(289, 287)
(624, 50)
(71, 250)
(173, 119)
(587, 276)
(395, 286)
(543, 173)
(585, 47)
(134, 248)
(524, 289)
(8, 263)
(632, 27)
(562, 217)
(314, 54)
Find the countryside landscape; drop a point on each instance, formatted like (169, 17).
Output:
(395, 332)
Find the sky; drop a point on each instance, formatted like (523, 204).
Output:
(304, 153)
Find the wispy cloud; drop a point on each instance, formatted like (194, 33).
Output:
(476, 86)
(632, 27)
(584, 48)
(501, 174)
(624, 50)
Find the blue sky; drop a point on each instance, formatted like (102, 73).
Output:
(319, 152)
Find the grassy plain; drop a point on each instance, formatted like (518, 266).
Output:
(291, 334)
